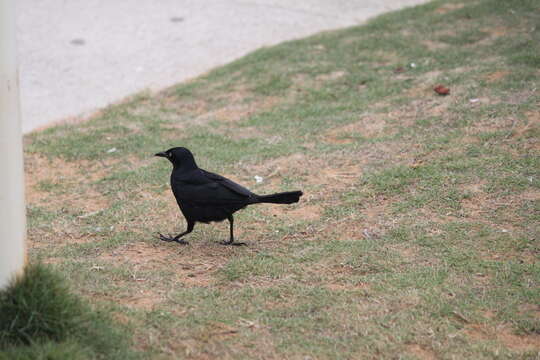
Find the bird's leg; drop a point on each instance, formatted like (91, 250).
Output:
(190, 226)
(231, 238)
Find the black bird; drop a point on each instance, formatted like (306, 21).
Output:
(204, 196)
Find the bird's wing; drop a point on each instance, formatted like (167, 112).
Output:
(229, 184)
(203, 188)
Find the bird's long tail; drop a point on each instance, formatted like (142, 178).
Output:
(288, 197)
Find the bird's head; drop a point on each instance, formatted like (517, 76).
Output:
(179, 157)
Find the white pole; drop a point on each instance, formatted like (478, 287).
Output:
(12, 206)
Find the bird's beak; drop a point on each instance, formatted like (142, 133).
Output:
(161, 154)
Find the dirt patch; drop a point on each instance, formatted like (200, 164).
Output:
(435, 45)
(425, 103)
(346, 287)
(230, 106)
(369, 222)
(497, 31)
(57, 173)
(474, 188)
(238, 94)
(519, 343)
(421, 352)
(375, 213)
(176, 107)
(340, 138)
(487, 125)
(238, 109)
(313, 171)
(520, 97)
(430, 76)
(533, 116)
(408, 252)
(523, 256)
(370, 126)
(423, 89)
(144, 255)
(353, 229)
(38, 169)
(331, 76)
(146, 300)
(496, 76)
(530, 195)
(528, 129)
(248, 132)
(199, 278)
(339, 177)
(532, 309)
(306, 212)
(476, 332)
(505, 335)
(301, 82)
(446, 8)
(309, 212)
(386, 57)
(479, 207)
(194, 265)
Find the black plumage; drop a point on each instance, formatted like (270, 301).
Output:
(204, 196)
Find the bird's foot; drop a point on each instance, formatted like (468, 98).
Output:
(232, 243)
(171, 239)
(165, 238)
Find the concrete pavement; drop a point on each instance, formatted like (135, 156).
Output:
(79, 55)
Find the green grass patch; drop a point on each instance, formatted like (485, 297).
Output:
(417, 234)
(41, 319)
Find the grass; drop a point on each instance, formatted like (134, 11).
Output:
(41, 319)
(418, 233)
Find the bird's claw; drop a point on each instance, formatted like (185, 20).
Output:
(171, 239)
(233, 243)
(165, 238)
